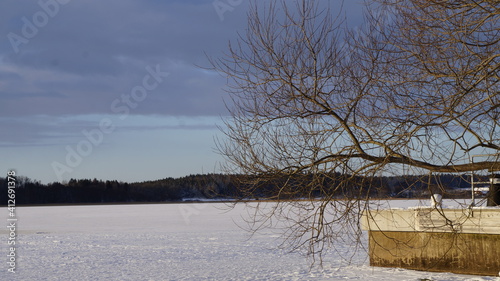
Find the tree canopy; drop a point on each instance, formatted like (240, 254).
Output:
(415, 90)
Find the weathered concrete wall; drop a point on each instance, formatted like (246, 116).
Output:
(431, 251)
(463, 241)
(475, 220)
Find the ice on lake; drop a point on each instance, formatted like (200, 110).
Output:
(202, 241)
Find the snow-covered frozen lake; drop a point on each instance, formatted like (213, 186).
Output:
(169, 242)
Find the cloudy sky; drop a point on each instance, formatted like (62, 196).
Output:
(112, 89)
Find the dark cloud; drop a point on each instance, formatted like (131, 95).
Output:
(91, 52)
(88, 54)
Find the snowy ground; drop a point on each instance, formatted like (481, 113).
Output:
(168, 242)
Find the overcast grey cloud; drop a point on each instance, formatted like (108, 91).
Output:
(63, 64)
(92, 51)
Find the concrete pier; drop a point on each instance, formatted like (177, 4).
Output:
(465, 241)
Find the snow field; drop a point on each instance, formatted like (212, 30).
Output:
(171, 242)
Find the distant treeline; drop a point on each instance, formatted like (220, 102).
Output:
(219, 186)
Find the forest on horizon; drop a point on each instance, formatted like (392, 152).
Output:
(222, 186)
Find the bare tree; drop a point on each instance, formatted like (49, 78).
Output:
(320, 110)
(441, 80)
